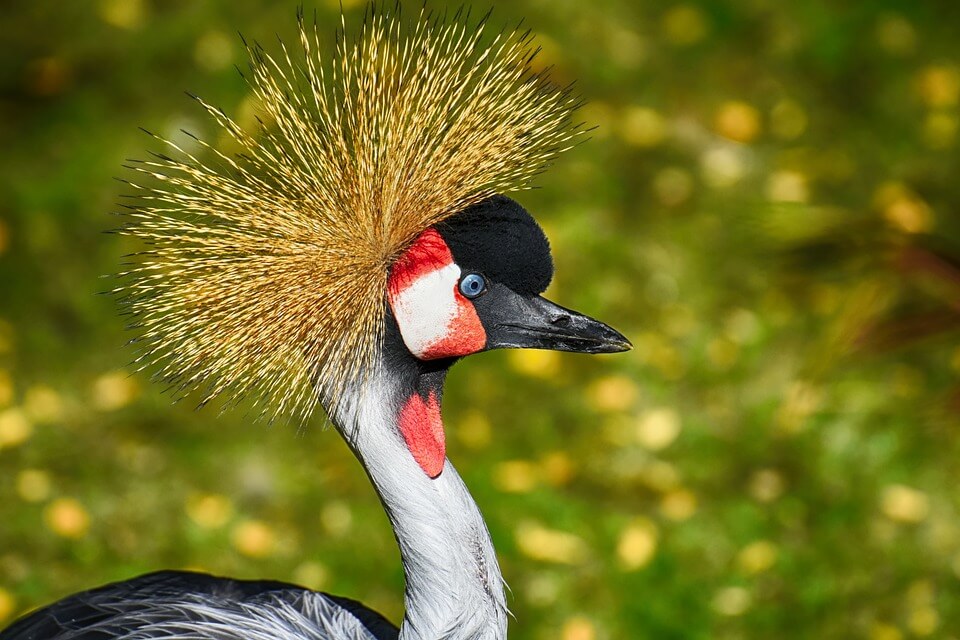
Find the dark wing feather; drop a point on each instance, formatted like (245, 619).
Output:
(195, 606)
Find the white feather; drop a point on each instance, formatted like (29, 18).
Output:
(426, 307)
(454, 588)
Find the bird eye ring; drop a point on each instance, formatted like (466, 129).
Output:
(472, 285)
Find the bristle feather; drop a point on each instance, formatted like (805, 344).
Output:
(268, 267)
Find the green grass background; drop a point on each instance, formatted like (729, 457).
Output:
(768, 208)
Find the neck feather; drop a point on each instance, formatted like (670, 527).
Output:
(454, 589)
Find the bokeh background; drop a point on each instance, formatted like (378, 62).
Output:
(768, 208)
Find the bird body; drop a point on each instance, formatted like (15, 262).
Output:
(453, 583)
(195, 606)
(349, 257)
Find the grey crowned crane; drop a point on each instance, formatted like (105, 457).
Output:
(348, 255)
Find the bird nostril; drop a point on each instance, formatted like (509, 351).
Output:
(561, 321)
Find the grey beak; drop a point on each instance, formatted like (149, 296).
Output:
(533, 322)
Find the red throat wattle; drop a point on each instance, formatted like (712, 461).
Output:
(422, 430)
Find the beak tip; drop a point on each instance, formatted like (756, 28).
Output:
(616, 342)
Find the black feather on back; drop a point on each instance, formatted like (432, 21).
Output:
(130, 607)
(499, 239)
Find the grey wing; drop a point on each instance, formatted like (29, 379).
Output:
(194, 606)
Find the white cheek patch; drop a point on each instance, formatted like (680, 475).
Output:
(426, 308)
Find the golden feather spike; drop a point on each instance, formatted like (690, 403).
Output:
(265, 273)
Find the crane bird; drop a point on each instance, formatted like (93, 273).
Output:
(347, 255)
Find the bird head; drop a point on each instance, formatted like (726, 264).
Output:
(473, 283)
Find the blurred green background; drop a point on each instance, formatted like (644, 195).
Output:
(768, 208)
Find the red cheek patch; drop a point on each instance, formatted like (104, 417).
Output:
(435, 319)
(422, 430)
(428, 253)
(465, 334)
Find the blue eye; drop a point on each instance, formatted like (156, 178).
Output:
(472, 285)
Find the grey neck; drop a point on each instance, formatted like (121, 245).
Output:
(454, 589)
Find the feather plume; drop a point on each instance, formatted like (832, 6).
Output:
(264, 273)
